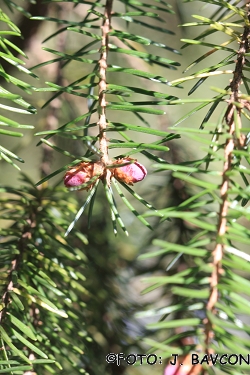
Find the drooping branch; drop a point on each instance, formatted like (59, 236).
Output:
(233, 141)
(106, 27)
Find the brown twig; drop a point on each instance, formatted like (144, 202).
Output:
(231, 143)
(106, 27)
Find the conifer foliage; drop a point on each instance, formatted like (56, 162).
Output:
(199, 222)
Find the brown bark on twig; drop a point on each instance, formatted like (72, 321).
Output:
(106, 27)
(232, 142)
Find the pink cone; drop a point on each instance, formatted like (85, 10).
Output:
(83, 173)
(174, 370)
(183, 366)
(130, 173)
(74, 179)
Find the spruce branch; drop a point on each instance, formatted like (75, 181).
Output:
(106, 27)
(235, 85)
(8, 288)
(233, 120)
(26, 235)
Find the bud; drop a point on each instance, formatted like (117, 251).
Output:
(82, 173)
(131, 173)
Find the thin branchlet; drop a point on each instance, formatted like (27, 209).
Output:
(106, 27)
(232, 142)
